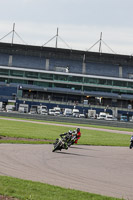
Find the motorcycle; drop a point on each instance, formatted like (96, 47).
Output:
(59, 144)
(72, 140)
(64, 141)
(131, 142)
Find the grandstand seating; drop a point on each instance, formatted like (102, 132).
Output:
(74, 66)
(102, 69)
(92, 68)
(4, 59)
(126, 71)
(31, 62)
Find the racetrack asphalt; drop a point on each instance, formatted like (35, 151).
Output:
(95, 169)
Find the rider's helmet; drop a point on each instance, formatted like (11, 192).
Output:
(70, 132)
(131, 138)
(78, 130)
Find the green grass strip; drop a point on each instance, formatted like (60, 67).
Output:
(29, 190)
(73, 124)
(47, 132)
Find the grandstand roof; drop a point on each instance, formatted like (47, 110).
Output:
(48, 52)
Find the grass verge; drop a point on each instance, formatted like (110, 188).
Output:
(49, 133)
(73, 124)
(29, 190)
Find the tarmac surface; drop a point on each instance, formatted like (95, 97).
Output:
(95, 169)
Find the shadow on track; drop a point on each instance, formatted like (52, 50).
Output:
(72, 154)
(76, 147)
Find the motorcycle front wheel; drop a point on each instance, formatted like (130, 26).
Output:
(57, 147)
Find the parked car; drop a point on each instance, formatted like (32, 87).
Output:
(110, 117)
(57, 111)
(82, 115)
(75, 112)
(51, 112)
(123, 118)
(67, 112)
(102, 115)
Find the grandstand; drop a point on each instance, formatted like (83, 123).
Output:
(47, 74)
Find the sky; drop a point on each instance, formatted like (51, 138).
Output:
(79, 22)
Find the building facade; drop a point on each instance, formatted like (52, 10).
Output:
(63, 75)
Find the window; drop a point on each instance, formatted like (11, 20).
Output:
(17, 81)
(102, 81)
(4, 71)
(31, 74)
(42, 84)
(90, 80)
(60, 77)
(130, 84)
(75, 79)
(108, 82)
(120, 83)
(16, 73)
(46, 76)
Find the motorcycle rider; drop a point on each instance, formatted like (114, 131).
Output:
(131, 142)
(78, 135)
(71, 135)
(67, 138)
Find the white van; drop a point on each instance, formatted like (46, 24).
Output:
(102, 115)
(57, 111)
(51, 112)
(67, 112)
(10, 108)
(42, 110)
(75, 112)
(109, 117)
(23, 108)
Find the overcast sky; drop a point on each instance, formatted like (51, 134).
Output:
(80, 23)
